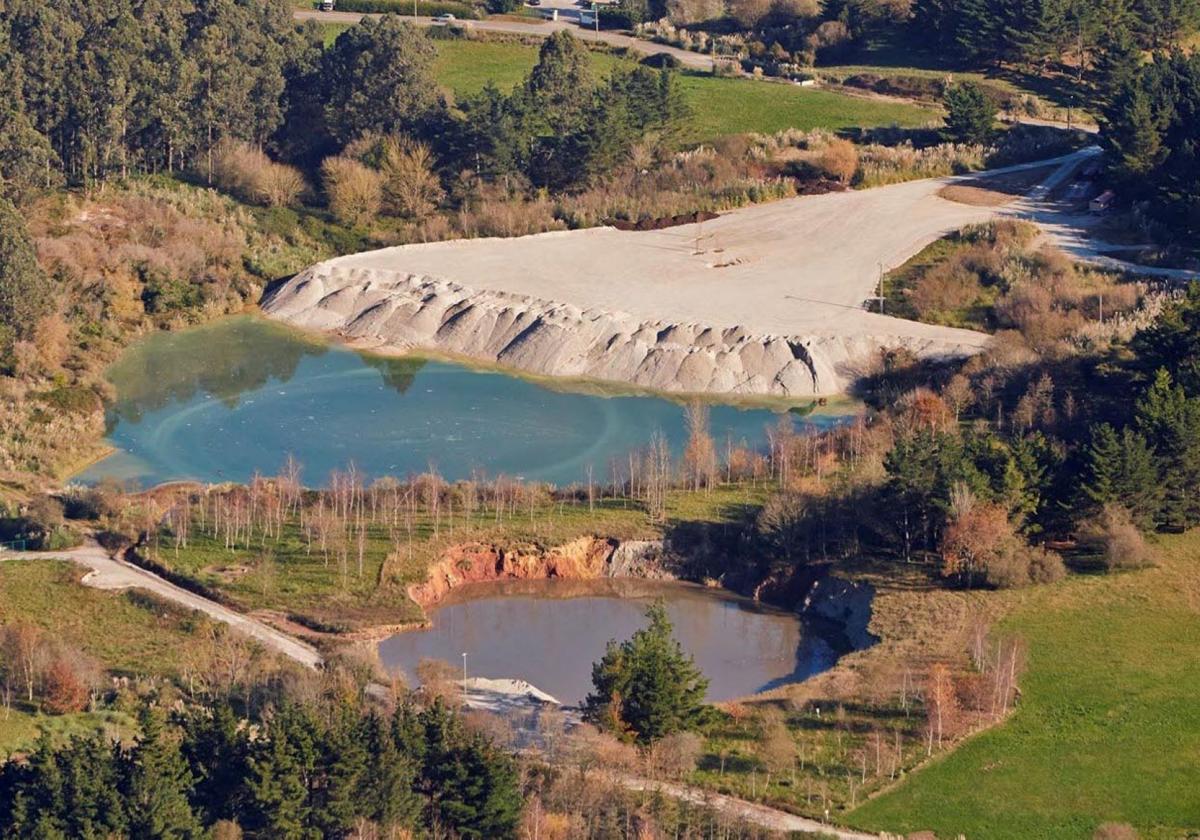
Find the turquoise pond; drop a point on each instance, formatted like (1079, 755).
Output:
(224, 401)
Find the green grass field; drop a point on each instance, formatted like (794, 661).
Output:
(719, 106)
(126, 632)
(1108, 728)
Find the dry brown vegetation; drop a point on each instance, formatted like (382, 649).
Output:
(245, 171)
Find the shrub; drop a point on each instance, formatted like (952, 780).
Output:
(839, 160)
(66, 689)
(662, 61)
(354, 191)
(945, 288)
(410, 186)
(1045, 566)
(1117, 539)
(245, 171)
(405, 7)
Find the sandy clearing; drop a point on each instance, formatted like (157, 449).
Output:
(765, 300)
(794, 266)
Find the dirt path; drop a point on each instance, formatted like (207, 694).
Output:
(761, 815)
(539, 29)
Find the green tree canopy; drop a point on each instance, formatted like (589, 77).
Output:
(378, 76)
(647, 686)
(25, 291)
(970, 115)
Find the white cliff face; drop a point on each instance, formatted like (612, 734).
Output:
(394, 311)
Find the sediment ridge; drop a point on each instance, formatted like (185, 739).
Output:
(393, 311)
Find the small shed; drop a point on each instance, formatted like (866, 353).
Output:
(1102, 202)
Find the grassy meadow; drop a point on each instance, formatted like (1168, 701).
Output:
(125, 633)
(719, 106)
(1108, 727)
(128, 632)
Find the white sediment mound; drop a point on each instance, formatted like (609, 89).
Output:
(767, 300)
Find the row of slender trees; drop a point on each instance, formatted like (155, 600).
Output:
(94, 91)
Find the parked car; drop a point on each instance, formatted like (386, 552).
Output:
(534, 2)
(445, 19)
(326, 5)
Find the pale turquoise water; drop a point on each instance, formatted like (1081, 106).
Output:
(220, 402)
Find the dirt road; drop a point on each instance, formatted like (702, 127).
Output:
(108, 573)
(770, 818)
(538, 29)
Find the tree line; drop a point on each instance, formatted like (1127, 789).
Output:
(95, 91)
(296, 773)
(1039, 32)
(1151, 121)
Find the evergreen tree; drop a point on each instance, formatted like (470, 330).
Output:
(338, 795)
(217, 752)
(1117, 62)
(25, 290)
(280, 770)
(647, 683)
(388, 779)
(92, 804)
(155, 782)
(378, 76)
(1120, 469)
(1170, 422)
(1172, 342)
(970, 115)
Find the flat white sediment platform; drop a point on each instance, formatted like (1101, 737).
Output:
(765, 300)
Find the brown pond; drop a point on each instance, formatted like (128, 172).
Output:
(550, 632)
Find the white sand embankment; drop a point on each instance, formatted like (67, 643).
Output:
(766, 300)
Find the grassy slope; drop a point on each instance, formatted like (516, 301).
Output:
(1108, 727)
(719, 106)
(125, 631)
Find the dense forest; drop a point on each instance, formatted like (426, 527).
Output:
(300, 774)
(95, 92)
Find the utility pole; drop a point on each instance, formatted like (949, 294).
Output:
(464, 683)
(881, 288)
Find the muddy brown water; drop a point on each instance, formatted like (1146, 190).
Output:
(550, 632)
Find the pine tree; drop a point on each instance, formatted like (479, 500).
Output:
(337, 797)
(1120, 469)
(647, 683)
(92, 805)
(25, 290)
(970, 116)
(156, 783)
(280, 770)
(1170, 422)
(1118, 59)
(388, 778)
(1134, 133)
(217, 751)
